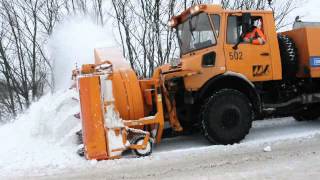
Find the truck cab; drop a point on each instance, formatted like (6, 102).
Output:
(207, 35)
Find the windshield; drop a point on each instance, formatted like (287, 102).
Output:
(195, 33)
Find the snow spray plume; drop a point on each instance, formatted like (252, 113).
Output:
(72, 44)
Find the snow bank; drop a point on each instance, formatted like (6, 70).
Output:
(43, 138)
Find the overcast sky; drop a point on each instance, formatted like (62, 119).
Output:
(309, 11)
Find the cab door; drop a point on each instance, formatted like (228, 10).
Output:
(201, 49)
(252, 61)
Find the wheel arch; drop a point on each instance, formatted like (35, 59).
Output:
(232, 80)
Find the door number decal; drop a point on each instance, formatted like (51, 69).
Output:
(235, 55)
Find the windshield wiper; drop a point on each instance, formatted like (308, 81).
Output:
(190, 27)
(179, 41)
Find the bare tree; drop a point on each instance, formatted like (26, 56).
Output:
(6, 85)
(23, 63)
(98, 9)
(147, 40)
(49, 14)
(25, 26)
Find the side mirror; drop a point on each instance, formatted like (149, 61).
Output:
(246, 22)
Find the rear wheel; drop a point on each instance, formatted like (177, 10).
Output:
(304, 118)
(226, 117)
(289, 56)
(310, 114)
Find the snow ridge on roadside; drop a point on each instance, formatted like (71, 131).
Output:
(42, 138)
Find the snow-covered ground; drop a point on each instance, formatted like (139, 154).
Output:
(42, 142)
(285, 159)
(42, 138)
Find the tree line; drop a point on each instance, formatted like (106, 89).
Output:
(25, 66)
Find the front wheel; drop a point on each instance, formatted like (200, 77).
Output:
(143, 152)
(226, 117)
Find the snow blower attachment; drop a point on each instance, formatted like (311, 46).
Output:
(107, 92)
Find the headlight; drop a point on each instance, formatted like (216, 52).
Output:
(195, 9)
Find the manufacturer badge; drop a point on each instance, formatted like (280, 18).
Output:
(315, 61)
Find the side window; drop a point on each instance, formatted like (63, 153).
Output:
(234, 29)
(216, 23)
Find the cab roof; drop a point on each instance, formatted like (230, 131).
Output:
(209, 8)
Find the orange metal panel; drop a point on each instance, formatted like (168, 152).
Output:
(148, 96)
(134, 93)
(146, 86)
(272, 39)
(92, 118)
(120, 95)
(307, 42)
(127, 94)
(126, 88)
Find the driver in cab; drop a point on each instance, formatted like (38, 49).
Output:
(255, 36)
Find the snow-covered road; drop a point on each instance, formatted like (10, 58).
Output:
(266, 131)
(289, 159)
(294, 155)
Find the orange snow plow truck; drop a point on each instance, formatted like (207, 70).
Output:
(219, 86)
